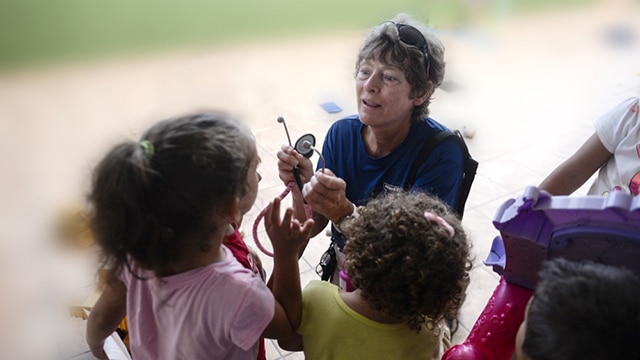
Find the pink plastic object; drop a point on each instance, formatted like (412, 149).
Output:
(345, 283)
(492, 336)
(287, 190)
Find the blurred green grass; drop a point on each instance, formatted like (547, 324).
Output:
(34, 32)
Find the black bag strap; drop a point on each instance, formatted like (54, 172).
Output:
(469, 174)
(424, 153)
(469, 166)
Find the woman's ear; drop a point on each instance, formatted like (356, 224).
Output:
(231, 211)
(421, 99)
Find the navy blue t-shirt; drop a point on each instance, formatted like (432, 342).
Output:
(366, 176)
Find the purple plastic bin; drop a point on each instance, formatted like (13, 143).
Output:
(536, 227)
(533, 228)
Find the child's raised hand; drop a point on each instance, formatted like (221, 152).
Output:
(287, 235)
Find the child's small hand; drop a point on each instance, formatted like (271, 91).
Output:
(287, 235)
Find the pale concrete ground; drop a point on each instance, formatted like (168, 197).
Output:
(532, 87)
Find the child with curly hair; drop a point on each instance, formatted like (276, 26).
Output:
(161, 208)
(408, 259)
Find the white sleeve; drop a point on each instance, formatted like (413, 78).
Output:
(616, 124)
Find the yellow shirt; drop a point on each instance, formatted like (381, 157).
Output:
(332, 330)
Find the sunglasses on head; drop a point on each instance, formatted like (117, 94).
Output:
(411, 36)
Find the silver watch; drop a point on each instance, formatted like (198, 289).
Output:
(346, 219)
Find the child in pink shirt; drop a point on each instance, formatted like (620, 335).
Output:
(161, 209)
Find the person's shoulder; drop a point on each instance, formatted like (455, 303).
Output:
(431, 123)
(350, 118)
(631, 101)
(318, 292)
(425, 129)
(633, 107)
(126, 275)
(346, 125)
(230, 267)
(134, 272)
(348, 121)
(318, 286)
(628, 105)
(235, 282)
(623, 116)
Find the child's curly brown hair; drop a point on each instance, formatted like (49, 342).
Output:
(404, 265)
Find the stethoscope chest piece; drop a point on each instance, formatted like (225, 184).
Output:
(304, 145)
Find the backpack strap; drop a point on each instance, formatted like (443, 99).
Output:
(468, 175)
(469, 166)
(424, 153)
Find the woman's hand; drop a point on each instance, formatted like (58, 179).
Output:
(325, 192)
(288, 159)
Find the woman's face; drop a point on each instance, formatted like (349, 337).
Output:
(383, 94)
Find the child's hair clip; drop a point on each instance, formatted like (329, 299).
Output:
(148, 149)
(440, 221)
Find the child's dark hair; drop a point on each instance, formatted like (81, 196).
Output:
(155, 200)
(406, 266)
(583, 310)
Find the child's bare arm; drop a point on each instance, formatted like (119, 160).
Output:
(287, 236)
(105, 316)
(577, 169)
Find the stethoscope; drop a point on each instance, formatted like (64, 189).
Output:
(305, 146)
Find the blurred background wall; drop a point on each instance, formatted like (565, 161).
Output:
(36, 32)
